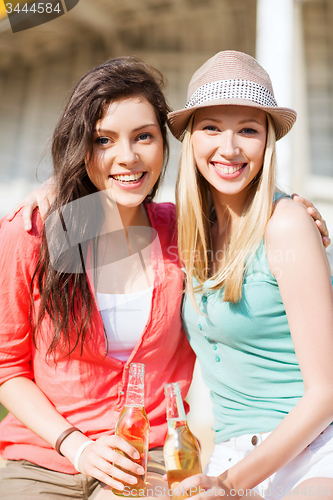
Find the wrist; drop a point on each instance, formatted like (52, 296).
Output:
(229, 482)
(79, 453)
(71, 445)
(62, 437)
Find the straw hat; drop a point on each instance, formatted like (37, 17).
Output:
(235, 78)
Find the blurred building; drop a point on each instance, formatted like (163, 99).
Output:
(293, 40)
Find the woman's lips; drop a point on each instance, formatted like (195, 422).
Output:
(128, 178)
(228, 169)
(228, 172)
(129, 181)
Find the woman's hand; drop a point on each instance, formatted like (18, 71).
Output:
(41, 197)
(315, 214)
(102, 459)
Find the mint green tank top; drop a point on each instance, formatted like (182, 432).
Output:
(246, 353)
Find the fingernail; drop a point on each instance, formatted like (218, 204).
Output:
(137, 455)
(133, 480)
(140, 470)
(27, 227)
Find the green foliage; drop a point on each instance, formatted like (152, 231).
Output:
(3, 412)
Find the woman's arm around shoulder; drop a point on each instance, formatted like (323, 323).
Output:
(42, 197)
(15, 235)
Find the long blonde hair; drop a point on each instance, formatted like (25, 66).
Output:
(194, 207)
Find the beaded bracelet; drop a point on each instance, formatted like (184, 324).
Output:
(62, 438)
(79, 453)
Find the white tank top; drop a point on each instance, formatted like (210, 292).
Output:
(124, 317)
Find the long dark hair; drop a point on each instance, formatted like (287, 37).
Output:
(65, 294)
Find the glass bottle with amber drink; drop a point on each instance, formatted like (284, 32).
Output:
(133, 426)
(181, 449)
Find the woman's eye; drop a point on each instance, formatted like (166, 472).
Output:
(248, 130)
(144, 136)
(211, 128)
(102, 140)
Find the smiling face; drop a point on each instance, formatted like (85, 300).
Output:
(229, 146)
(127, 151)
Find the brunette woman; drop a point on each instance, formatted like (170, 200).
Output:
(66, 340)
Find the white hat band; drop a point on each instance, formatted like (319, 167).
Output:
(231, 89)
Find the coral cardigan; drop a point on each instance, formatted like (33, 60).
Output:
(88, 389)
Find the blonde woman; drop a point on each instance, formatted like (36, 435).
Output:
(259, 304)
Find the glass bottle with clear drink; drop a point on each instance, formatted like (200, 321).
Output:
(181, 449)
(133, 426)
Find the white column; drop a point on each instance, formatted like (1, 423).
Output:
(274, 51)
(301, 155)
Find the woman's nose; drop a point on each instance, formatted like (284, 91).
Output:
(125, 153)
(228, 144)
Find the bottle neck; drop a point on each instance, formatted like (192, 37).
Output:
(175, 408)
(135, 389)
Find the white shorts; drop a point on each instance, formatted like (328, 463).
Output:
(315, 461)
